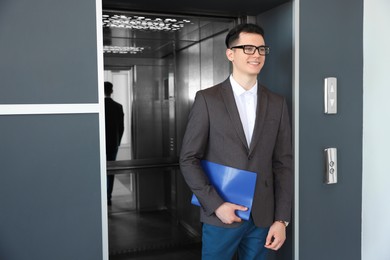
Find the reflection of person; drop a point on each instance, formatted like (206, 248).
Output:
(114, 131)
(244, 125)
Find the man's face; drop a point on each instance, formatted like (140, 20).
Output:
(245, 64)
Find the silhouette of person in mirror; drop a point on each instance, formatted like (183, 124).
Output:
(114, 131)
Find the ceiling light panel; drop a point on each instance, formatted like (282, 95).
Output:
(122, 50)
(143, 23)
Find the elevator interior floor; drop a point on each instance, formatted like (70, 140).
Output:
(146, 235)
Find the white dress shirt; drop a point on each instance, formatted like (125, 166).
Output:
(246, 101)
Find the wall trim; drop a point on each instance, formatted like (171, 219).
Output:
(296, 126)
(102, 128)
(88, 108)
(44, 109)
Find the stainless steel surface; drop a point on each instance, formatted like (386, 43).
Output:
(151, 124)
(330, 166)
(113, 167)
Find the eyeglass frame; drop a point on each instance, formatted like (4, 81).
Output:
(266, 49)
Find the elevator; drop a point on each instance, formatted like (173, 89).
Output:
(157, 62)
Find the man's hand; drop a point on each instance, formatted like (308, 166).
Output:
(226, 212)
(276, 236)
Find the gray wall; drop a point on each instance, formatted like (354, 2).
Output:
(50, 188)
(278, 70)
(47, 53)
(331, 34)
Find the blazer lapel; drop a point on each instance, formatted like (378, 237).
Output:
(230, 103)
(261, 110)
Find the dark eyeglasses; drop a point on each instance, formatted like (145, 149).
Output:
(251, 49)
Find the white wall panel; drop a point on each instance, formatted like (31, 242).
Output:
(376, 129)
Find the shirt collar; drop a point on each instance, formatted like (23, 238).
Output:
(238, 90)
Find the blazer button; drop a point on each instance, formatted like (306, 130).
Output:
(250, 157)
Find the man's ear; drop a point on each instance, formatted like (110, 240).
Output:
(230, 54)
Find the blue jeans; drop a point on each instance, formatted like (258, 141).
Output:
(219, 243)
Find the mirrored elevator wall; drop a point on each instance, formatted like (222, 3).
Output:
(158, 86)
(199, 66)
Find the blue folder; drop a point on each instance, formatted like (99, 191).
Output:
(233, 185)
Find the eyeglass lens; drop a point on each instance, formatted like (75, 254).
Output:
(252, 49)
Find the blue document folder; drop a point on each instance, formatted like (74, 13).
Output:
(233, 185)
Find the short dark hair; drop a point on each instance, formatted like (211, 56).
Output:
(234, 33)
(108, 88)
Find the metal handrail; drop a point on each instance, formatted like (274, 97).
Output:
(139, 164)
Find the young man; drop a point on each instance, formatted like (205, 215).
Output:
(241, 124)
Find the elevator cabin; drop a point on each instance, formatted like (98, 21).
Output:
(157, 57)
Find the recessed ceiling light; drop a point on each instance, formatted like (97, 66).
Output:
(123, 50)
(143, 23)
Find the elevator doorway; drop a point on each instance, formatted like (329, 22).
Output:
(156, 63)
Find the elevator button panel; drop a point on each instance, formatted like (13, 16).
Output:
(330, 166)
(330, 95)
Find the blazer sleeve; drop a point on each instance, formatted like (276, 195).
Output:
(282, 168)
(193, 149)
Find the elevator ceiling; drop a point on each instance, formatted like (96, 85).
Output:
(204, 7)
(155, 36)
(139, 29)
